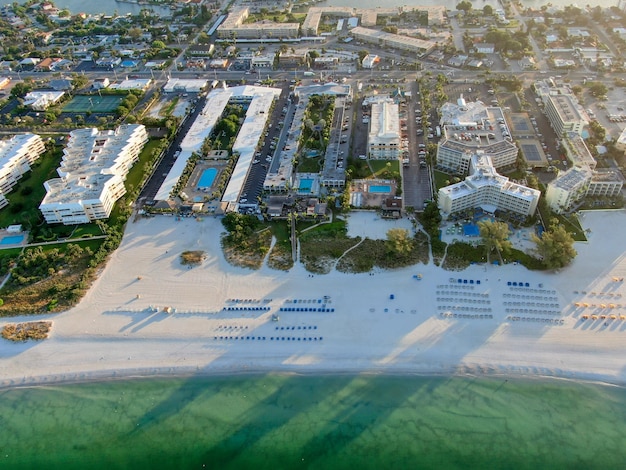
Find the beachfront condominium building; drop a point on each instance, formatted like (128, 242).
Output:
(576, 183)
(471, 127)
(605, 183)
(583, 179)
(485, 188)
(568, 188)
(92, 174)
(17, 154)
(564, 114)
(383, 138)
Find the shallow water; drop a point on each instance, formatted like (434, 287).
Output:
(329, 422)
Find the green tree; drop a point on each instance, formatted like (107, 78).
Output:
(399, 241)
(464, 6)
(79, 81)
(158, 45)
(19, 90)
(495, 236)
(135, 33)
(488, 10)
(555, 246)
(598, 89)
(431, 217)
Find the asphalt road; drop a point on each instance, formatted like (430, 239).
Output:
(167, 162)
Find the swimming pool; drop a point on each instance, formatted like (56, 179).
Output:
(12, 240)
(305, 185)
(207, 178)
(379, 188)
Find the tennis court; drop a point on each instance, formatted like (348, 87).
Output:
(95, 103)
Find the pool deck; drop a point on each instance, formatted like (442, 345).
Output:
(5, 233)
(369, 199)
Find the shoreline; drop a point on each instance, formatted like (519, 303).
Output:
(181, 373)
(387, 323)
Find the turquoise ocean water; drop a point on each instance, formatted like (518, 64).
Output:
(326, 422)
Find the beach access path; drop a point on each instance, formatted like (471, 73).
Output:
(220, 321)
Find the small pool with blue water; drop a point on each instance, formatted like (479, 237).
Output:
(12, 240)
(207, 178)
(380, 188)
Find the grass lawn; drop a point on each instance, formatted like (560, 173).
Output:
(25, 207)
(136, 173)
(280, 255)
(441, 178)
(167, 110)
(570, 223)
(309, 164)
(380, 166)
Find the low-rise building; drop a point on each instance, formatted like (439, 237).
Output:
(17, 154)
(370, 61)
(418, 46)
(577, 151)
(234, 27)
(262, 61)
(292, 60)
(100, 83)
(383, 138)
(47, 64)
(200, 50)
(182, 85)
(92, 174)
(132, 84)
(42, 100)
(485, 48)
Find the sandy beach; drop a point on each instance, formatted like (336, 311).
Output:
(474, 321)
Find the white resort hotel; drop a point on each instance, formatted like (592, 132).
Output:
(477, 142)
(92, 173)
(487, 189)
(469, 127)
(16, 156)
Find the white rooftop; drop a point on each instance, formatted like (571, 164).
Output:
(260, 100)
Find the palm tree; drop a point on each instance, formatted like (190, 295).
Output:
(495, 236)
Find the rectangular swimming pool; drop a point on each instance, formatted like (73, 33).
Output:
(12, 240)
(305, 185)
(207, 178)
(379, 188)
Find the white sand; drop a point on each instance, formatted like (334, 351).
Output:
(112, 332)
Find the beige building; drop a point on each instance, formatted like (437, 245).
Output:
(234, 27)
(369, 16)
(381, 38)
(568, 188)
(564, 115)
